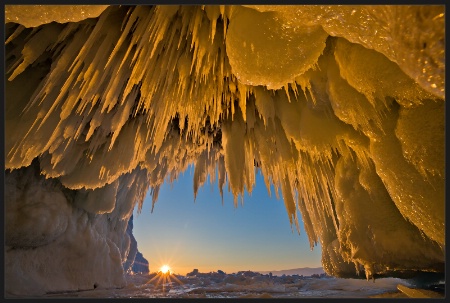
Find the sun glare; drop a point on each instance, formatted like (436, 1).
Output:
(163, 278)
(165, 269)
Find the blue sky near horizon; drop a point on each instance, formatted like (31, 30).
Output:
(210, 236)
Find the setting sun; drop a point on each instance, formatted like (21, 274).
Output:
(165, 269)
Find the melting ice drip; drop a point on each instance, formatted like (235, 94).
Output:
(340, 107)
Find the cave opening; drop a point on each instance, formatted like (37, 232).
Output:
(338, 111)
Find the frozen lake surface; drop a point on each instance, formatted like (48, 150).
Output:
(245, 285)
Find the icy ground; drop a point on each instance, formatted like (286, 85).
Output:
(245, 285)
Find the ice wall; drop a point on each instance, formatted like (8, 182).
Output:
(54, 243)
(341, 108)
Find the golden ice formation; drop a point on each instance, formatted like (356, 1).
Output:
(340, 107)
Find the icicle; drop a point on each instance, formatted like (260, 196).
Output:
(16, 33)
(243, 100)
(213, 12)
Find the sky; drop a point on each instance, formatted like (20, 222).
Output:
(209, 236)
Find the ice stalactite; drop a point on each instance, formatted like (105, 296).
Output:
(327, 101)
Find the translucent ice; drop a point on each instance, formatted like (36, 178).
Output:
(340, 107)
(35, 15)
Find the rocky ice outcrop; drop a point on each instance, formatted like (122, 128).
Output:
(135, 260)
(140, 264)
(53, 243)
(340, 107)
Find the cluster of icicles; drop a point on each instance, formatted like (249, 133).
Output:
(353, 140)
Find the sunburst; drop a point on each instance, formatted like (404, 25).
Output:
(164, 276)
(165, 269)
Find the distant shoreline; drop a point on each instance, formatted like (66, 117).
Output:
(304, 271)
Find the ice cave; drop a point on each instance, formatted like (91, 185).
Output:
(340, 107)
